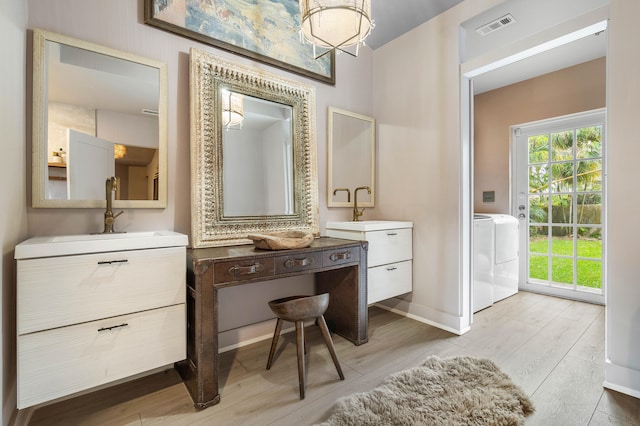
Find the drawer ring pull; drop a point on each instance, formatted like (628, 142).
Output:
(109, 262)
(293, 263)
(246, 270)
(340, 256)
(124, 324)
(393, 268)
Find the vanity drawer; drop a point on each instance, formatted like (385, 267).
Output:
(341, 256)
(227, 272)
(59, 362)
(384, 282)
(303, 262)
(59, 291)
(388, 246)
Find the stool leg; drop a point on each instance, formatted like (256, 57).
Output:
(274, 343)
(327, 339)
(300, 350)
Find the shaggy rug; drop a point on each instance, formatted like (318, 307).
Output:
(443, 391)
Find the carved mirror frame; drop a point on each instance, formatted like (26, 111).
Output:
(209, 226)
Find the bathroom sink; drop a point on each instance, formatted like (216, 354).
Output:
(62, 245)
(369, 225)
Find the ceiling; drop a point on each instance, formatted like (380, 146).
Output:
(395, 18)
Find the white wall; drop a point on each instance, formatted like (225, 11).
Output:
(622, 371)
(417, 108)
(13, 209)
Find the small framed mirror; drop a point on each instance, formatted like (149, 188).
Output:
(97, 112)
(351, 158)
(253, 153)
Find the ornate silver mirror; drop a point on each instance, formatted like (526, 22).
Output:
(97, 112)
(351, 158)
(253, 153)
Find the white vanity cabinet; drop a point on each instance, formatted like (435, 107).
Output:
(390, 255)
(85, 320)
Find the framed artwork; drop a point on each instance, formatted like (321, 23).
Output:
(264, 30)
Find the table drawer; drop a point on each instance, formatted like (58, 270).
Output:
(60, 291)
(341, 256)
(240, 270)
(384, 282)
(59, 362)
(301, 262)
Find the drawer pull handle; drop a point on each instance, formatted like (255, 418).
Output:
(246, 270)
(110, 262)
(391, 234)
(340, 256)
(393, 268)
(297, 263)
(124, 324)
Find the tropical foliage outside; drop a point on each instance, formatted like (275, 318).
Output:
(565, 207)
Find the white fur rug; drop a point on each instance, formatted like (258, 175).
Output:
(443, 391)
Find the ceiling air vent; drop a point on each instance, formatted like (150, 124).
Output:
(496, 25)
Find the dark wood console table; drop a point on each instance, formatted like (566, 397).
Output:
(340, 268)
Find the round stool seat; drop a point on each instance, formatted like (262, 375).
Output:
(300, 308)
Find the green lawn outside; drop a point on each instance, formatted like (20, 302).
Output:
(589, 272)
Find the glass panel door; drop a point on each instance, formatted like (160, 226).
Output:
(559, 199)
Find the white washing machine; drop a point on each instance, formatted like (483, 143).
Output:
(506, 255)
(483, 262)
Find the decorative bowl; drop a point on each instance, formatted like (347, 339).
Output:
(284, 240)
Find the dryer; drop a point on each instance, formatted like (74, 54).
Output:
(506, 255)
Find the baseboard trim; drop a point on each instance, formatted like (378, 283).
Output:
(622, 379)
(436, 324)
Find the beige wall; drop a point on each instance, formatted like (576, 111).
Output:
(13, 180)
(575, 89)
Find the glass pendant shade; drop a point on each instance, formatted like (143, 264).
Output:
(336, 24)
(232, 109)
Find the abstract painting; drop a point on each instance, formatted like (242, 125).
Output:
(265, 30)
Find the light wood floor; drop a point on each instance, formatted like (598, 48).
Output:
(553, 348)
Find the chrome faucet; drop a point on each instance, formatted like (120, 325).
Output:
(357, 213)
(109, 217)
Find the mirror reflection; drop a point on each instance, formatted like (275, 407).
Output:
(351, 162)
(97, 113)
(257, 146)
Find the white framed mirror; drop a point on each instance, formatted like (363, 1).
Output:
(253, 153)
(97, 112)
(350, 158)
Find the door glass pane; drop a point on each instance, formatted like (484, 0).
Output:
(589, 208)
(562, 146)
(561, 209)
(538, 179)
(589, 142)
(589, 273)
(538, 149)
(589, 175)
(538, 239)
(562, 240)
(538, 209)
(589, 242)
(539, 267)
(562, 176)
(562, 270)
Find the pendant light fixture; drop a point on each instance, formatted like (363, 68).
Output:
(335, 24)
(232, 109)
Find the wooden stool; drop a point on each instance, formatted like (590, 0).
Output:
(297, 309)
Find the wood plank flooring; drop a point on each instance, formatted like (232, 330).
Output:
(553, 348)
